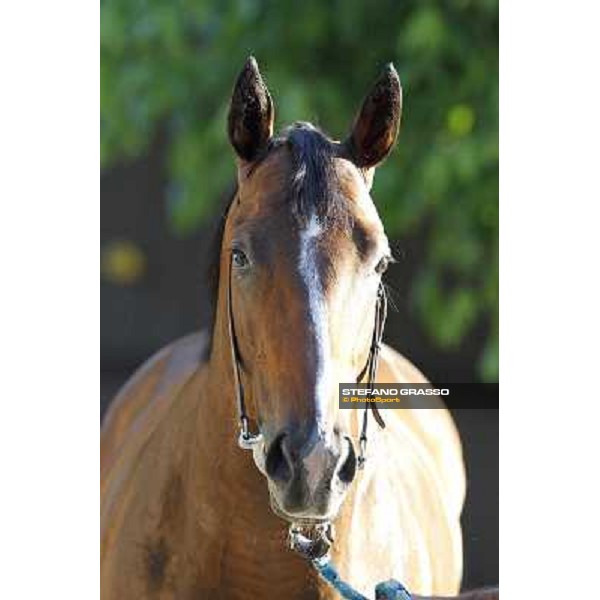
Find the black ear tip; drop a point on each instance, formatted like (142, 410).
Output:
(390, 73)
(251, 62)
(251, 65)
(250, 75)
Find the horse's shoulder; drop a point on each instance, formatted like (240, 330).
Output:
(400, 366)
(434, 428)
(150, 390)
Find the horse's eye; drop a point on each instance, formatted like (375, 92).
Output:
(382, 265)
(239, 259)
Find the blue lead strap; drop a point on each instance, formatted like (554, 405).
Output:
(327, 571)
(387, 590)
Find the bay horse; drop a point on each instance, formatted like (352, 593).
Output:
(185, 513)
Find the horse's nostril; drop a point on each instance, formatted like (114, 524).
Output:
(277, 464)
(347, 471)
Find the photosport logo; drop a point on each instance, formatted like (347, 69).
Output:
(418, 395)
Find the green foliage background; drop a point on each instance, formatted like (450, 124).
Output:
(170, 64)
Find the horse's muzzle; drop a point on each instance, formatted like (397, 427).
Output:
(309, 477)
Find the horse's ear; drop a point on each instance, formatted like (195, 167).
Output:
(376, 126)
(250, 120)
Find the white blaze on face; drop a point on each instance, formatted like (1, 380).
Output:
(309, 272)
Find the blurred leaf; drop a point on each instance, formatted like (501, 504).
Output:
(454, 312)
(123, 262)
(461, 119)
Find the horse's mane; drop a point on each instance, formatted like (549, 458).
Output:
(312, 191)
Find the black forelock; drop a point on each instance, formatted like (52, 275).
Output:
(313, 185)
(313, 188)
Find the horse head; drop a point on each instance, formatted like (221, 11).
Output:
(302, 254)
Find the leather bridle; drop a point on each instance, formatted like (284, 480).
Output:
(247, 440)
